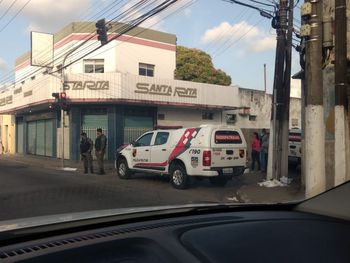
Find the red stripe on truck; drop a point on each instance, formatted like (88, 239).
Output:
(151, 164)
(184, 143)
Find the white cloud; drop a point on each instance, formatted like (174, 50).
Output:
(263, 44)
(188, 12)
(51, 15)
(157, 21)
(3, 65)
(48, 15)
(254, 38)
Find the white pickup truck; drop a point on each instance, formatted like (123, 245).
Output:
(208, 151)
(294, 148)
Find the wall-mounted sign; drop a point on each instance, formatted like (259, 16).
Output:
(165, 90)
(89, 84)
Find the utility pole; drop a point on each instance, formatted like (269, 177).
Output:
(275, 149)
(315, 181)
(341, 160)
(286, 93)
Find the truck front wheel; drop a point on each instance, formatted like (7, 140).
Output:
(123, 169)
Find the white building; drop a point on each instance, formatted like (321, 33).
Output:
(126, 87)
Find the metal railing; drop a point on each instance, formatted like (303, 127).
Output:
(131, 134)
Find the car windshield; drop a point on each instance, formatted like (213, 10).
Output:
(129, 104)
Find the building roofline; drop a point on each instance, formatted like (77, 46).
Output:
(89, 27)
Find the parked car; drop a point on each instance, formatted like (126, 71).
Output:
(209, 151)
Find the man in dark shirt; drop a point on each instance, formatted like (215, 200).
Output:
(100, 148)
(86, 146)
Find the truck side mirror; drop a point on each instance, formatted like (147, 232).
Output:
(135, 144)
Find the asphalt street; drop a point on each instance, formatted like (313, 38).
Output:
(28, 191)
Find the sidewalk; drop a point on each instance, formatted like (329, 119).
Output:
(251, 192)
(51, 163)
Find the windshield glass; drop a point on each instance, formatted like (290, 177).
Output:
(193, 102)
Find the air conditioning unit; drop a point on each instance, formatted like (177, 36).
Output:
(231, 118)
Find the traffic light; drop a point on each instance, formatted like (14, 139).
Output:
(63, 101)
(101, 30)
(56, 95)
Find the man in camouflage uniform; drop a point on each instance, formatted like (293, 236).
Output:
(86, 146)
(100, 149)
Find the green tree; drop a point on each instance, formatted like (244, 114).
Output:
(195, 65)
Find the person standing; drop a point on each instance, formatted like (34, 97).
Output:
(86, 146)
(264, 150)
(100, 148)
(256, 151)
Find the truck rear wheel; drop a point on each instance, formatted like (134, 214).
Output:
(178, 177)
(123, 169)
(218, 180)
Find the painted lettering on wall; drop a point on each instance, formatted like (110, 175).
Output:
(165, 90)
(89, 84)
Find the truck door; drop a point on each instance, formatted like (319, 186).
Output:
(160, 151)
(141, 151)
(228, 149)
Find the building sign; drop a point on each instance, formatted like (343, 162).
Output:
(6, 100)
(89, 84)
(165, 90)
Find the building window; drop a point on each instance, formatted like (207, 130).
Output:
(146, 70)
(207, 116)
(231, 118)
(161, 116)
(295, 122)
(94, 66)
(252, 117)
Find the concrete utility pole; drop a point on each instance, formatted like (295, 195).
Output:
(286, 93)
(315, 181)
(281, 68)
(341, 160)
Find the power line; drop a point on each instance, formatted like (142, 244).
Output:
(128, 11)
(40, 69)
(237, 40)
(222, 35)
(142, 20)
(19, 11)
(8, 9)
(9, 74)
(59, 55)
(217, 50)
(138, 21)
(261, 3)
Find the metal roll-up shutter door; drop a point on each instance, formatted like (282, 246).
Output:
(93, 119)
(19, 136)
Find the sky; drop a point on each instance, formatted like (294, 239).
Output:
(239, 40)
